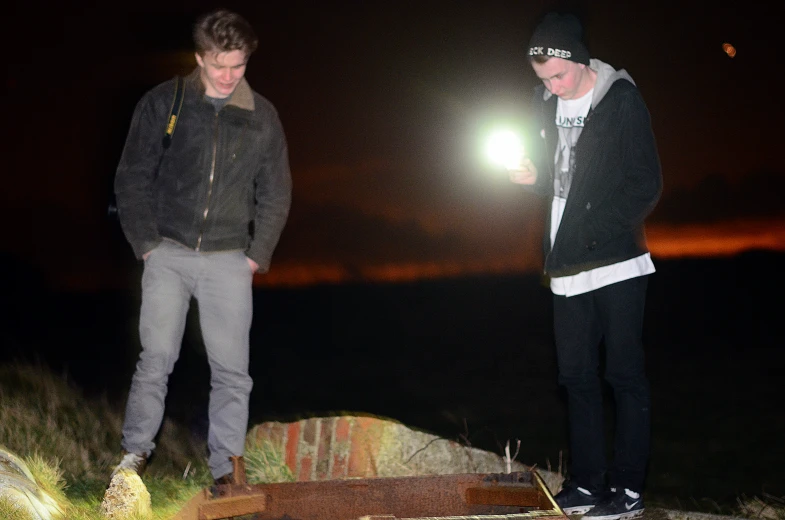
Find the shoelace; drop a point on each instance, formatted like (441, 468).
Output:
(630, 493)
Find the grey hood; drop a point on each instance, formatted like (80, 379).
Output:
(606, 76)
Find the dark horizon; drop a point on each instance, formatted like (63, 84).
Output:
(475, 354)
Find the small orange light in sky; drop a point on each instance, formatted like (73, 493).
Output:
(729, 49)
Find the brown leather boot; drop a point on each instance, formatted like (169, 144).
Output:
(237, 476)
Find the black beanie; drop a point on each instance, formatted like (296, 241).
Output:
(559, 36)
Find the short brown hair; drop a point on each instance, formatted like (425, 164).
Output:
(539, 58)
(223, 31)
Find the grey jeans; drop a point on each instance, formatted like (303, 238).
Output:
(221, 284)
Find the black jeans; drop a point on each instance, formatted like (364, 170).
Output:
(613, 313)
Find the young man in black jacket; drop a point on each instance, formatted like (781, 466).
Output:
(204, 214)
(597, 163)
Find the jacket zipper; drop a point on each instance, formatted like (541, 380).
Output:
(209, 184)
(552, 171)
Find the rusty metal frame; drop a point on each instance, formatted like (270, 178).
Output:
(500, 496)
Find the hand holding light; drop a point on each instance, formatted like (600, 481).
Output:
(525, 173)
(505, 149)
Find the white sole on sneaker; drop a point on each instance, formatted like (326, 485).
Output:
(577, 510)
(622, 516)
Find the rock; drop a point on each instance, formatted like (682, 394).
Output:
(673, 514)
(757, 508)
(10, 463)
(19, 488)
(325, 448)
(126, 497)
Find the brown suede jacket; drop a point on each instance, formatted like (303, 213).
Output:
(223, 184)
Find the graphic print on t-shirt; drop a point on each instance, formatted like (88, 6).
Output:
(570, 118)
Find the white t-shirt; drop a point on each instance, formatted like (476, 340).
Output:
(570, 117)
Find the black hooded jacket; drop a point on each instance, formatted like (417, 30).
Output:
(617, 180)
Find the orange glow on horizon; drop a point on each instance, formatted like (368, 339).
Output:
(298, 275)
(708, 240)
(665, 242)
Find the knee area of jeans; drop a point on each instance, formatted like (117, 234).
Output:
(587, 381)
(242, 383)
(229, 368)
(157, 375)
(156, 361)
(637, 382)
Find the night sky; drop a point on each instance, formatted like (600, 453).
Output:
(385, 106)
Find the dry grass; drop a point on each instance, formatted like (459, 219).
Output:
(766, 506)
(43, 415)
(264, 463)
(70, 444)
(10, 510)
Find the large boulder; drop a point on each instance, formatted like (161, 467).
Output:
(325, 448)
(19, 489)
(126, 497)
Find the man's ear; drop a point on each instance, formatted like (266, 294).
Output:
(199, 60)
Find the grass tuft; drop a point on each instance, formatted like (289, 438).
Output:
(265, 464)
(11, 510)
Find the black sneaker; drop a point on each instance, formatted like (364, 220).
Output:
(619, 504)
(575, 500)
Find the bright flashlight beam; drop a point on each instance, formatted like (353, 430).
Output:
(505, 149)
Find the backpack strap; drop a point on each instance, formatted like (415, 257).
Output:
(177, 104)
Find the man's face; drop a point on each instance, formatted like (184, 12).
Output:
(563, 78)
(221, 72)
